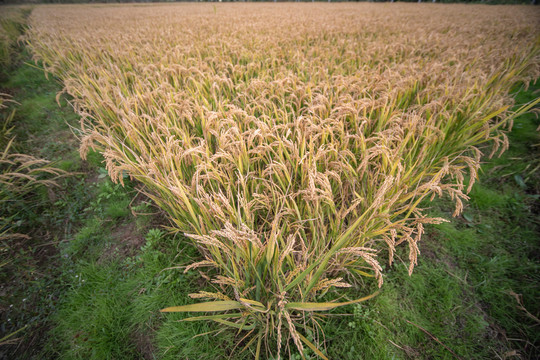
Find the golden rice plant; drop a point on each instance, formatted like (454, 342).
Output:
(291, 150)
(20, 175)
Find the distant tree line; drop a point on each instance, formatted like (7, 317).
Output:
(534, 2)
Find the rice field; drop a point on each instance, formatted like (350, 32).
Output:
(293, 144)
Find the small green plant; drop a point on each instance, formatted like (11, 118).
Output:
(143, 214)
(111, 200)
(362, 321)
(153, 237)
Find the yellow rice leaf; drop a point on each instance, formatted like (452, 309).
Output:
(315, 306)
(209, 306)
(312, 346)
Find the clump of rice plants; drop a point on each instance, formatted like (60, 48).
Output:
(292, 151)
(20, 175)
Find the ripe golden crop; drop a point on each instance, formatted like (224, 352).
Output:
(291, 142)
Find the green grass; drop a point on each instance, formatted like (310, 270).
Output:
(12, 25)
(110, 308)
(101, 313)
(42, 124)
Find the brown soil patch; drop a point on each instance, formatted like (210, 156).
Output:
(126, 241)
(143, 344)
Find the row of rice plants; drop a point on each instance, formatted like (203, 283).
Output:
(22, 175)
(291, 150)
